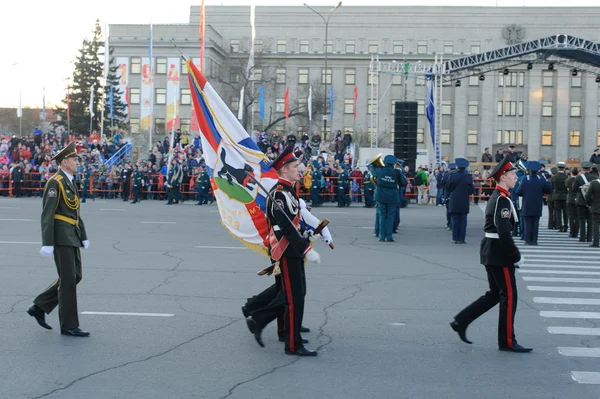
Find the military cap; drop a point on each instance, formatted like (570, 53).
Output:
(561, 165)
(554, 170)
(586, 165)
(68, 152)
(284, 158)
(461, 163)
(534, 166)
(503, 166)
(451, 166)
(400, 161)
(390, 159)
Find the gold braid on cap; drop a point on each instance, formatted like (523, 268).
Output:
(68, 155)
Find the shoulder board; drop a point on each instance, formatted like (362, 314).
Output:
(57, 177)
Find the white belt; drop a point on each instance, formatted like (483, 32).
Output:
(276, 228)
(492, 235)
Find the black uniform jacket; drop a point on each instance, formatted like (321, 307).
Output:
(499, 219)
(559, 188)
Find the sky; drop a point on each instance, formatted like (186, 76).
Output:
(40, 38)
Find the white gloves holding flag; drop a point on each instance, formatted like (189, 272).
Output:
(47, 251)
(309, 235)
(86, 244)
(326, 236)
(313, 256)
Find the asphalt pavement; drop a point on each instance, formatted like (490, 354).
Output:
(163, 286)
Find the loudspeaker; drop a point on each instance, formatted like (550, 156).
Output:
(405, 132)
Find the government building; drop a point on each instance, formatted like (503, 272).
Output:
(547, 111)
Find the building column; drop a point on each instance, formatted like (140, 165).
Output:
(590, 118)
(487, 110)
(563, 110)
(459, 118)
(533, 111)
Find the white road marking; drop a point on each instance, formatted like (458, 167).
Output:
(575, 272)
(21, 242)
(573, 262)
(16, 220)
(586, 377)
(579, 352)
(574, 330)
(560, 266)
(158, 222)
(211, 247)
(551, 252)
(569, 315)
(397, 324)
(129, 314)
(567, 301)
(562, 279)
(9, 207)
(590, 257)
(111, 209)
(594, 290)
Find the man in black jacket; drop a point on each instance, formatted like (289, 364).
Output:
(559, 196)
(126, 181)
(592, 198)
(583, 212)
(595, 158)
(499, 255)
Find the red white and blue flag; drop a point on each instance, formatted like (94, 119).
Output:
(230, 152)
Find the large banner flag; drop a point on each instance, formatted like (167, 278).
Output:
(123, 76)
(173, 93)
(309, 101)
(430, 111)
(230, 152)
(261, 102)
(146, 94)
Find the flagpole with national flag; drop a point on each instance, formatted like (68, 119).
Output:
(91, 108)
(151, 125)
(43, 115)
(202, 22)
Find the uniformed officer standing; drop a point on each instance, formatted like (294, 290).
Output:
(202, 186)
(559, 197)
(137, 184)
(291, 249)
(386, 196)
(458, 190)
(499, 255)
(592, 198)
(85, 183)
(583, 212)
(549, 198)
(572, 204)
(343, 199)
(532, 189)
(126, 181)
(315, 188)
(174, 179)
(63, 233)
(446, 177)
(402, 183)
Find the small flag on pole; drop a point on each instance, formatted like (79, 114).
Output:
(287, 103)
(309, 101)
(43, 115)
(91, 106)
(261, 102)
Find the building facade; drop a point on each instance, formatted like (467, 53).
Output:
(546, 114)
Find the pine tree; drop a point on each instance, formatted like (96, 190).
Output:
(120, 117)
(87, 74)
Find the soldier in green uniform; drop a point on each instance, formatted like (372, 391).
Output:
(583, 212)
(550, 203)
(559, 196)
(174, 179)
(572, 204)
(343, 199)
(137, 183)
(315, 188)
(63, 233)
(202, 186)
(592, 198)
(85, 183)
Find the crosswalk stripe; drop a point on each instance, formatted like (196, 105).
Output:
(579, 352)
(521, 270)
(594, 290)
(567, 301)
(574, 330)
(559, 250)
(589, 257)
(549, 266)
(575, 261)
(569, 315)
(586, 377)
(562, 279)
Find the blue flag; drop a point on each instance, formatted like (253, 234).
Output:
(331, 103)
(44, 105)
(110, 101)
(430, 111)
(261, 102)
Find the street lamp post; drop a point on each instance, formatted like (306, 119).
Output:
(326, 20)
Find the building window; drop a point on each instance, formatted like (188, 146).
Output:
(160, 96)
(473, 80)
(134, 95)
(510, 137)
(257, 74)
(521, 108)
(394, 106)
(512, 79)
(161, 66)
(598, 140)
(235, 103)
(370, 132)
(472, 136)
(134, 125)
(304, 46)
(373, 79)
(185, 125)
(302, 105)
(547, 78)
(420, 107)
(473, 107)
(349, 106)
(574, 136)
(186, 97)
(183, 67)
(234, 77)
(576, 81)
(328, 47)
(258, 46)
(547, 108)
(396, 80)
(445, 136)
(234, 46)
(281, 46)
(422, 47)
(420, 135)
(302, 76)
(475, 47)
(575, 109)
(350, 76)
(371, 106)
(373, 46)
(280, 76)
(159, 126)
(398, 47)
(546, 137)
(326, 76)
(280, 105)
(136, 65)
(350, 46)
(498, 136)
(446, 107)
(448, 47)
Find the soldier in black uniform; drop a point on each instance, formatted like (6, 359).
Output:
(290, 248)
(137, 184)
(583, 212)
(559, 196)
(499, 255)
(125, 181)
(592, 198)
(572, 204)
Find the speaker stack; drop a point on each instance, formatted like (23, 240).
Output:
(405, 132)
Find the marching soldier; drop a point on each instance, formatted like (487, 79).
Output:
(583, 212)
(532, 189)
(315, 188)
(451, 171)
(202, 186)
(290, 248)
(137, 184)
(174, 179)
(63, 234)
(559, 197)
(500, 256)
(126, 181)
(387, 197)
(572, 204)
(343, 199)
(592, 198)
(85, 183)
(458, 189)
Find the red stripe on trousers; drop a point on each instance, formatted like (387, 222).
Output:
(509, 315)
(288, 291)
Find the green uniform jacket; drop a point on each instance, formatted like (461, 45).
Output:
(559, 188)
(571, 197)
(592, 196)
(60, 198)
(175, 176)
(580, 201)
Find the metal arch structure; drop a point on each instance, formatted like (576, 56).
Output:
(562, 49)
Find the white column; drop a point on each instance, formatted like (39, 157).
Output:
(561, 133)
(590, 118)
(459, 119)
(532, 131)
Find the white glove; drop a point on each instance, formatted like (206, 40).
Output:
(47, 251)
(86, 244)
(313, 256)
(309, 235)
(326, 236)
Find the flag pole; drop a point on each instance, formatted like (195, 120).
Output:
(151, 125)
(106, 55)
